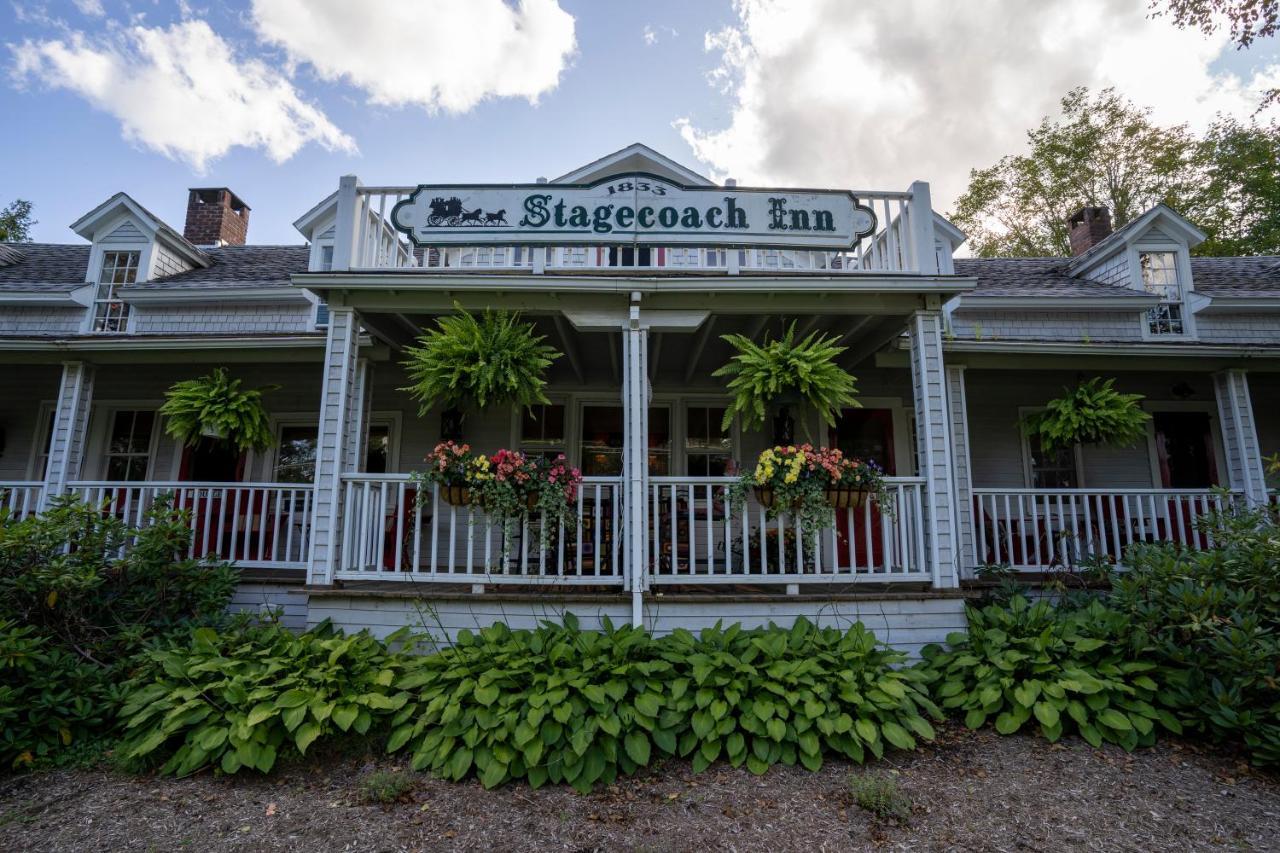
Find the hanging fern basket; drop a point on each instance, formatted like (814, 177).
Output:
(215, 407)
(480, 361)
(1093, 412)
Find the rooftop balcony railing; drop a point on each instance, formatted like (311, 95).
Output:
(900, 245)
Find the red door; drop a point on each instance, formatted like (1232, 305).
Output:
(866, 434)
(222, 519)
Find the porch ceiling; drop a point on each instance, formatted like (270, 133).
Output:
(676, 358)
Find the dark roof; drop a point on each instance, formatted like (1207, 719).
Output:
(1257, 276)
(44, 267)
(1032, 277)
(231, 266)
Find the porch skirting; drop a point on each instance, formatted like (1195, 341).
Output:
(905, 620)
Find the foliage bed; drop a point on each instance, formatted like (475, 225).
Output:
(76, 608)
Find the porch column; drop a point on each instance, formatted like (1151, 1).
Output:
(70, 429)
(1246, 471)
(635, 459)
(358, 435)
(338, 400)
(928, 380)
(958, 409)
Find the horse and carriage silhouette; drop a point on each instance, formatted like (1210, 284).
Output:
(450, 213)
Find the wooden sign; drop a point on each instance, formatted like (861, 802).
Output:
(634, 209)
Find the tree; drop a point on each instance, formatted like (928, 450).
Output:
(1239, 208)
(1104, 150)
(16, 222)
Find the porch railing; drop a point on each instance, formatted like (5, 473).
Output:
(698, 536)
(891, 249)
(254, 525)
(393, 532)
(1047, 529)
(20, 498)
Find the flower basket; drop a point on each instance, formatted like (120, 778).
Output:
(843, 497)
(531, 502)
(456, 495)
(764, 496)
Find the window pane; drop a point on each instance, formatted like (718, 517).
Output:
(296, 457)
(602, 436)
(542, 425)
(1055, 470)
(378, 448)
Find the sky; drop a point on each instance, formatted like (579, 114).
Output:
(278, 98)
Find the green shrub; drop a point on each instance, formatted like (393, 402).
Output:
(1212, 620)
(242, 699)
(384, 787)
(879, 794)
(49, 700)
(562, 705)
(1069, 670)
(96, 602)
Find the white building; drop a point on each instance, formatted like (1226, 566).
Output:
(949, 353)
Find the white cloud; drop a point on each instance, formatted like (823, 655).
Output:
(180, 90)
(92, 8)
(652, 35)
(923, 90)
(450, 54)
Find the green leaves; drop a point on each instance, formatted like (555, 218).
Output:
(1092, 412)
(492, 360)
(237, 700)
(1068, 668)
(214, 405)
(759, 374)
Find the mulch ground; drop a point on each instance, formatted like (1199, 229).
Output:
(971, 791)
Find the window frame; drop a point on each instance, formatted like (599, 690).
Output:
(680, 438)
(1028, 469)
(42, 440)
(568, 441)
(97, 267)
(102, 435)
(1182, 266)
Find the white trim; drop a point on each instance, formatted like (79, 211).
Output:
(1065, 302)
(43, 430)
(1197, 349)
(102, 414)
(599, 168)
(175, 296)
(1182, 264)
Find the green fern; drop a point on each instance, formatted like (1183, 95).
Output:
(485, 361)
(214, 404)
(760, 374)
(1091, 413)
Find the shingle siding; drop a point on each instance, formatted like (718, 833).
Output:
(40, 320)
(1113, 271)
(1239, 328)
(221, 318)
(1078, 326)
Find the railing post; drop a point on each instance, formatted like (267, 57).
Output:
(635, 460)
(70, 429)
(934, 445)
(346, 229)
(1246, 472)
(958, 412)
(922, 229)
(337, 401)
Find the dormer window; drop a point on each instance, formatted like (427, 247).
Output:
(1160, 278)
(110, 313)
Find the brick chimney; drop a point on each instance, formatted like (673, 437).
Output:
(216, 217)
(1089, 227)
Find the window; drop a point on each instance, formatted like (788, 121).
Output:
(129, 445)
(377, 449)
(602, 431)
(1052, 469)
(44, 441)
(1160, 278)
(321, 315)
(542, 430)
(110, 313)
(326, 258)
(296, 455)
(708, 449)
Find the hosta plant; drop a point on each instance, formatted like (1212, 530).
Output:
(492, 359)
(216, 407)
(779, 370)
(563, 705)
(1059, 670)
(1093, 412)
(241, 699)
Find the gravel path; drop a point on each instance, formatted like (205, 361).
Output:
(971, 792)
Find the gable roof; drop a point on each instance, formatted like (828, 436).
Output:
(1034, 277)
(1130, 231)
(1237, 277)
(44, 267)
(636, 157)
(85, 225)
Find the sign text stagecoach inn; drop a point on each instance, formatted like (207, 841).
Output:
(635, 266)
